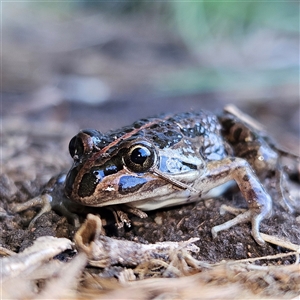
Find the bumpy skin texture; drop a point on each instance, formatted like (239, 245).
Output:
(180, 158)
(249, 143)
(195, 139)
(202, 128)
(170, 160)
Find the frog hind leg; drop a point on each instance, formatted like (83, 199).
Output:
(241, 218)
(258, 200)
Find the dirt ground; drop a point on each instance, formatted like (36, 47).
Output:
(31, 157)
(35, 136)
(36, 150)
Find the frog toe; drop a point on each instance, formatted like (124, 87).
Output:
(241, 218)
(246, 216)
(255, 221)
(229, 209)
(44, 200)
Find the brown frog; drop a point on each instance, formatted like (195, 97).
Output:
(165, 161)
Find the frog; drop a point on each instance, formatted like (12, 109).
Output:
(165, 161)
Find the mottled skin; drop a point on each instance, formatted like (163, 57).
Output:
(170, 160)
(190, 155)
(180, 147)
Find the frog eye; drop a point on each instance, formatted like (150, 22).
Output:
(84, 143)
(139, 158)
(76, 147)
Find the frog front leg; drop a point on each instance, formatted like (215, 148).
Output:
(52, 197)
(258, 200)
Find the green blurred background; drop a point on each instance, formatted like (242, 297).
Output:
(123, 52)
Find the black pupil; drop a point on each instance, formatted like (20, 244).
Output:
(139, 155)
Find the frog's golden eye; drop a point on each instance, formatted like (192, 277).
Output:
(139, 158)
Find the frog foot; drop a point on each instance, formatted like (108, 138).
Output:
(257, 199)
(52, 198)
(43, 200)
(242, 217)
(121, 216)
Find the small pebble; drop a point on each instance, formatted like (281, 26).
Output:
(158, 220)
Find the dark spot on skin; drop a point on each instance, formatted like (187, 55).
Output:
(252, 196)
(130, 184)
(87, 185)
(232, 159)
(226, 123)
(225, 173)
(249, 153)
(237, 133)
(164, 139)
(191, 166)
(154, 126)
(110, 169)
(192, 132)
(141, 122)
(246, 177)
